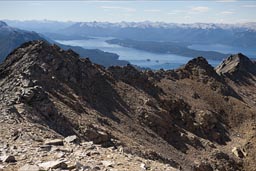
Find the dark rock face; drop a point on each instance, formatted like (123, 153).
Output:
(236, 63)
(177, 117)
(135, 78)
(198, 67)
(237, 67)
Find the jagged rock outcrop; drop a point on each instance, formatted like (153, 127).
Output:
(237, 67)
(198, 67)
(176, 117)
(238, 63)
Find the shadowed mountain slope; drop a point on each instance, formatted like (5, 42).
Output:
(188, 118)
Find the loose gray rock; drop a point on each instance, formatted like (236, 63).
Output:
(53, 165)
(1, 167)
(238, 152)
(98, 137)
(28, 167)
(54, 142)
(45, 148)
(107, 163)
(27, 83)
(71, 139)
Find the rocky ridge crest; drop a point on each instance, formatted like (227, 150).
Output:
(178, 117)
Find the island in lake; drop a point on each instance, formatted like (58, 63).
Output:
(167, 48)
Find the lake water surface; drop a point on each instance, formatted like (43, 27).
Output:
(250, 52)
(138, 57)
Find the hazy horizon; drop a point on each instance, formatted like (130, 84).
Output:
(47, 20)
(215, 11)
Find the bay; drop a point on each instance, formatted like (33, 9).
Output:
(134, 56)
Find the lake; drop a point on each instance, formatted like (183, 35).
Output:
(249, 52)
(137, 57)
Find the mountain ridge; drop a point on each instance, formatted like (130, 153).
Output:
(145, 24)
(239, 63)
(238, 34)
(178, 117)
(248, 25)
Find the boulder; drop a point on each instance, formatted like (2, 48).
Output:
(239, 152)
(8, 159)
(98, 137)
(71, 139)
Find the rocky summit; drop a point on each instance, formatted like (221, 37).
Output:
(237, 66)
(61, 112)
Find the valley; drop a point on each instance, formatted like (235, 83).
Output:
(128, 85)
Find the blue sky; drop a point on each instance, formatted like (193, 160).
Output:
(217, 11)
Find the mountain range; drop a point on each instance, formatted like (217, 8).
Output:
(63, 112)
(243, 35)
(39, 26)
(239, 34)
(11, 38)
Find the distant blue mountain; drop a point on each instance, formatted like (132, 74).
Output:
(11, 38)
(40, 26)
(243, 35)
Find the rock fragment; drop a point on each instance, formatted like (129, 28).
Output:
(98, 137)
(107, 163)
(54, 142)
(239, 152)
(53, 165)
(71, 139)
